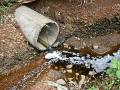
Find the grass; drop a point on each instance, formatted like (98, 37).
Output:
(114, 71)
(4, 9)
(111, 80)
(92, 88)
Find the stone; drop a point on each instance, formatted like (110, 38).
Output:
(95, 46)
(69, 66)
(69, 71)
(61, 81)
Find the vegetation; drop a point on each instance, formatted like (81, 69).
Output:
(4, 9)
(114, 71)
(92, 88)
(7, 7)
(111, 80)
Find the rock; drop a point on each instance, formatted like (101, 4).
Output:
(95, 46)
(56, 68)
(69, 66)
(69, 71)
(65, 45)
(61, 81)
(77, 38)
(77, 74)
(70, 79)
(92, 73)
(73, 82)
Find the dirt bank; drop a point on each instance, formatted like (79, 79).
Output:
(94, 24)
(84, 24)
(15, 51)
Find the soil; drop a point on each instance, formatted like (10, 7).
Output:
(14, 49)
(83, 23)
(73, 11)
(49, 75)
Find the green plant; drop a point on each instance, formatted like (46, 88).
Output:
(114, 70)
(92, 88)
(4, 10)
(109, 84)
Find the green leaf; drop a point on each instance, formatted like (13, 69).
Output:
(118, 65)
(111, 72)
(114, 63)
(117, 81)
(118, 74)
(93, 88)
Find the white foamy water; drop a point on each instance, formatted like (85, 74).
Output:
(98, 64)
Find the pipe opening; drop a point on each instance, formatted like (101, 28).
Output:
(48, 34)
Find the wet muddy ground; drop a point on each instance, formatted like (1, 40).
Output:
(85, 24)
(91, 26)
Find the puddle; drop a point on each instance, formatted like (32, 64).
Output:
(72, 72)
(72, 69)
(88, 51)
(71, 64)
(14, 77)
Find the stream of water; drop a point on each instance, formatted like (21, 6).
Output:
(71, 57)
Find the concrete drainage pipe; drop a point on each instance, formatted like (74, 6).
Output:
(39, 30)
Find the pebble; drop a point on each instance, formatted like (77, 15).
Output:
(77, 74)
(70, 79)
(77, 38)
(69, 66)
(61, 81)
(65, 51)
(69, 71)
(65, 45)
(92, 73)
(95, 46)
(69, 47)
(73, 82)
(76, 48)
(56, 67)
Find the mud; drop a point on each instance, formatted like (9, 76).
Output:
(87, 21)
(76, 11)
(104, 44)
(14, 50)
(8, 80)
(84, 24)
(74, 73)
(88, 50)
